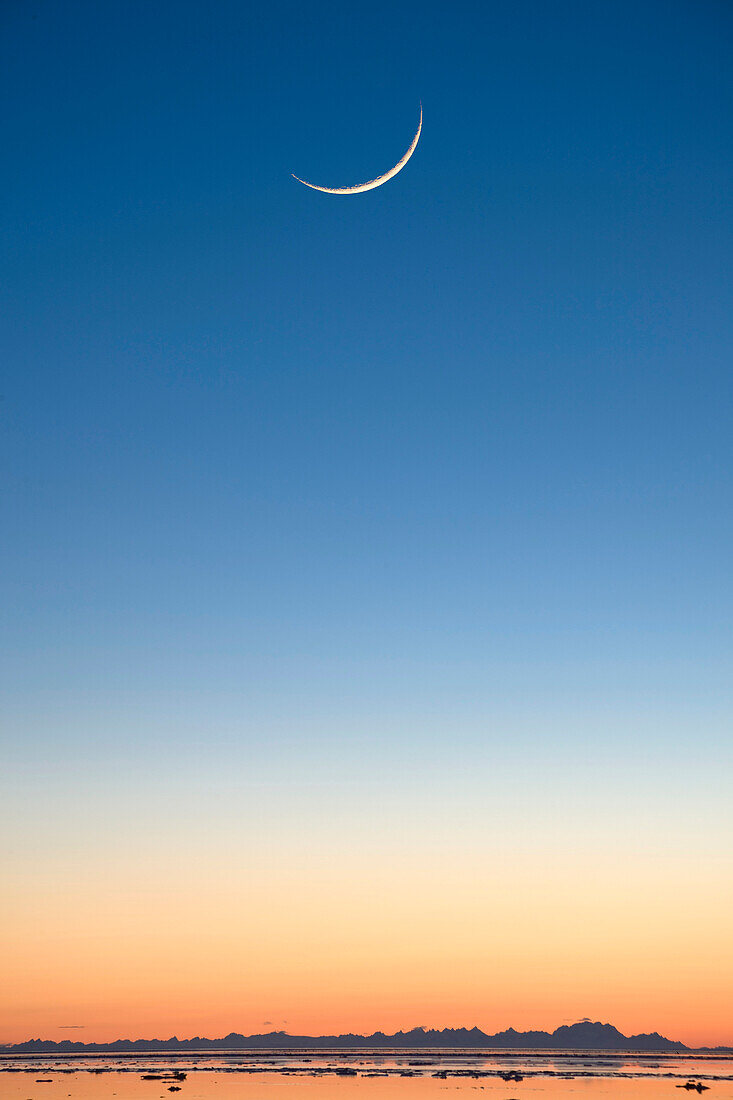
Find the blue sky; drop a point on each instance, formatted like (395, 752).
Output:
(436, 473)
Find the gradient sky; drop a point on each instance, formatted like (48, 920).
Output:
(366, 567)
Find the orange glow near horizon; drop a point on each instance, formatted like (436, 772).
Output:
(317, 945)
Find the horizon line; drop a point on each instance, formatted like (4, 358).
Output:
(577, 1029)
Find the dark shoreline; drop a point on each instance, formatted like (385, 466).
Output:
(385, 1062)
(20, 1051)
(364, 1052)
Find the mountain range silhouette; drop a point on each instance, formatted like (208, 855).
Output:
(584, 1035)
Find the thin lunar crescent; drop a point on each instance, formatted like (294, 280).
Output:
(370, 183)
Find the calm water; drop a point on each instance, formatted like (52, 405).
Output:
(373, 1075)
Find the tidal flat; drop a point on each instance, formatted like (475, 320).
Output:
(366, 1075)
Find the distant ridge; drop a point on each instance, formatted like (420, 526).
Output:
(581, 1036)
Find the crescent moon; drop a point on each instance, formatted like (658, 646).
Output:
(370, 184)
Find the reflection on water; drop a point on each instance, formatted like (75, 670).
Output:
(373, 1075)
